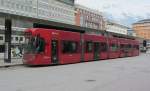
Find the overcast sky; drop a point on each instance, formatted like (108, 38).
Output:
(126, 11)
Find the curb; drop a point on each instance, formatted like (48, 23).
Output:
(7, 66)
(15, 62)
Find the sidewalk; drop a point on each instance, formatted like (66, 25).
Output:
(15, 62)
(148, 51)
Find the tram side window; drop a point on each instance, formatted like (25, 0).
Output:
(89, 47)
(103, 47)
(122, 46)
(137, 47)
(69, 47)
(129, 47)
(97, 47)
(114, 47)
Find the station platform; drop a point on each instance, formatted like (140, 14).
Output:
(15, 62)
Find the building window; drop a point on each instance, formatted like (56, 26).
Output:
(2, 2)
(2, 48)
(1, 37)
(21, 39)
(12, 38)
(16, 38)
(103, 47)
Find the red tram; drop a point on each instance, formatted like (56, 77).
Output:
(135, 48)
(95, 47)
(114, 50)
(50, 46)
(123, 45)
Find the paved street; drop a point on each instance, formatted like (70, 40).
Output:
(124, 74)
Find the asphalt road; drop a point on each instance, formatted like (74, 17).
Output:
(124, 74)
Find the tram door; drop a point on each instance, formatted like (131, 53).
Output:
(96, 50)
(54, 51)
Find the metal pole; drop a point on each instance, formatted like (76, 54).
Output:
(8, 29)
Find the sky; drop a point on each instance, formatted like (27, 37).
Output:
(122, 11)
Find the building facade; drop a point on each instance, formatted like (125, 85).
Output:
(54, 10)
(57, 10)
(116, 28)
(89, 18)
(131, 32)
(142, 29)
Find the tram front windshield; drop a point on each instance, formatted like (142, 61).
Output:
(34, 44)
